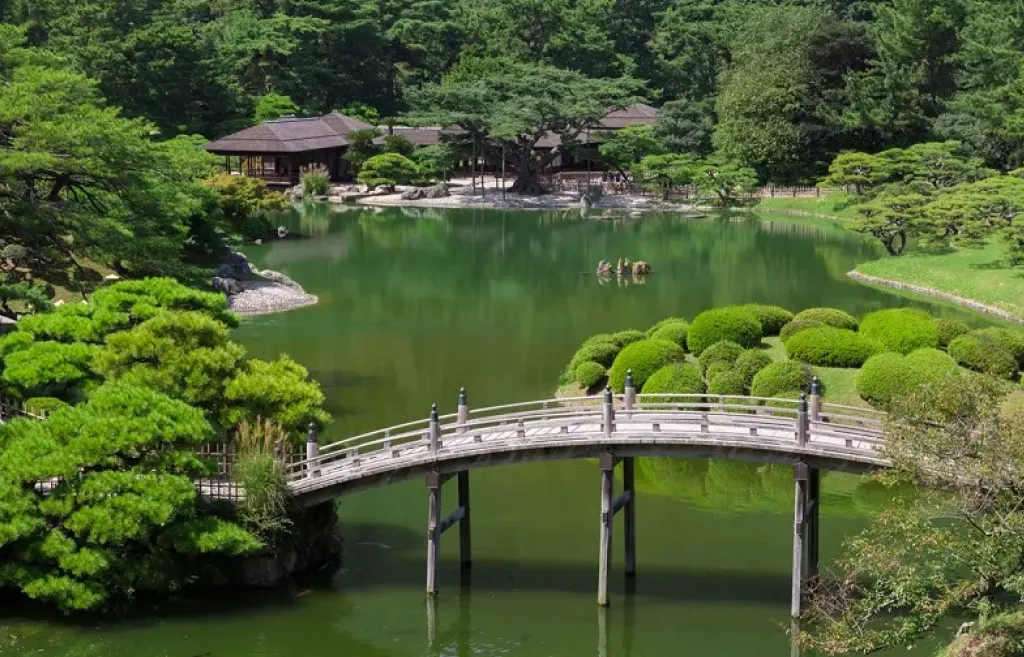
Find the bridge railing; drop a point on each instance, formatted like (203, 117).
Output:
(762, 418)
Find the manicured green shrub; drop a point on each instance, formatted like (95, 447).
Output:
(668, 320)
(902, 330)
(780, 377)
(675, 378)
(628, 337)
(1009, 339)
(831, 347)
(673, 332)
(727, 383)
(772, 318)
(750, 362)
(589, 373)
(716, 368)
(950, 329)
(644, 358)
(890, 376)
(731, 323)
(797, 325)
(981, 354)
(599, 352)
(720, 352)
(830, 316)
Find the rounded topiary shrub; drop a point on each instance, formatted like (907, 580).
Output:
(949, 330)
(675, 378)
(716, 368)
(644, 358)
(797, 325)
(983, 355)
(732, 323)
(727, 383)
(780, 377)
(628, 337)
(1009, 339)
(668, 320)
(589, 373)
(831, 347)
(598, 352)
(720, 352)
(750, 362)
(772, 318)
(673, 332)
(830, 317)
(891, 376)
(902, 330)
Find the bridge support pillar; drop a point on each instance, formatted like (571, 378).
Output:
(465, 537)
(607, 464)
(813, 521)
(629, 490)
(433, 531)
(799, 527)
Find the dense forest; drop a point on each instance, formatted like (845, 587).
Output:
(781, 87)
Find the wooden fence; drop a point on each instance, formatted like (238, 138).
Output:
(617, 184)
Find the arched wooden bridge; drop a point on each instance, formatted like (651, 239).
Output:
(808, 434)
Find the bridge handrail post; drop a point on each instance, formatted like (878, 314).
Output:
(801, 421)
(608, 413)
(630, 397)
(435, 430)
(312, 452)
(463, 410)
(815, 401)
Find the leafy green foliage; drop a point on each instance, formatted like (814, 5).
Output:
(797, 325)
(829, 317)
(628, 146)
(260, 471)
(750, 362)
(902, 330)
(889, 377)
(588, 373)
(721, 352)
(781, 377)
(628, 337)
(982, 354)
(727, 383)
(949, 330)
(772, 318)
(315, 180)
(597, 350)
(244, 202)
(387, 170)
(676, 378)
(674, 331)
(831, 347)
(731, 323)
(644, 358)
(667, 320)
(125, 518)
(664, 172)
(273, 106)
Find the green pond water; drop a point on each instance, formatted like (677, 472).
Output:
(415, 304)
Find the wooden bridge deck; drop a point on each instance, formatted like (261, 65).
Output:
(826, 437)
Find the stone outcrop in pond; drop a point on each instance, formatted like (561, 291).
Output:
(252, 291)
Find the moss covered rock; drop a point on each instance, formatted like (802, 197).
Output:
(644, 358)
(831, 347)
(902, 330)
(732, 323)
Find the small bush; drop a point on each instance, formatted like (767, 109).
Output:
(673, 332)
(644, 358)
(902, 330)
(668, 320)
(890, 376)
(627, 337)
(589, 373)
(599, 352)
(780, 377)
(724, 352)
(264, 509)
(315, 180)
(981, 354)
(830, 317)
(949, 330)
(772, 318)
(716, 368)
(750, 363)
(732, 323)
(675, 378)
(831, 347)
(1010, 340)
(797, 325)
(727, 383)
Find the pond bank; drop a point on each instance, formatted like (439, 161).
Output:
(938, 294)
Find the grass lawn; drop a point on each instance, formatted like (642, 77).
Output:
(837, 381)
(836, 206)
(981, 275)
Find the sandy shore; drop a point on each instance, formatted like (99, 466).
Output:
(463, 196)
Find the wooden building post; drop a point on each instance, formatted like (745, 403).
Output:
(433, 530)
(607, 465)
(629, 491)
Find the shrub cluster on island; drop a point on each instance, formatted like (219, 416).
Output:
(767, 351)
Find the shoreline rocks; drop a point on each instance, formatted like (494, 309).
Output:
(251, 291)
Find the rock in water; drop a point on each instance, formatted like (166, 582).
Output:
(295, 193)
(440, 190)
(279, 278)
(282, 232)
(228, 286)
(641, 267)
(240, 264)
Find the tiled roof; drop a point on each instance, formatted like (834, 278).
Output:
(636, 113)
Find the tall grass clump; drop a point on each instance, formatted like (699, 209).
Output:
(259, 470)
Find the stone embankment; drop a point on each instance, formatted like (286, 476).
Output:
(252, 291)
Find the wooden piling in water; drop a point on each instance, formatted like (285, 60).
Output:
(433, 531)
(465, 537)
(799, 510)
(607, 464)
(629, 490)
